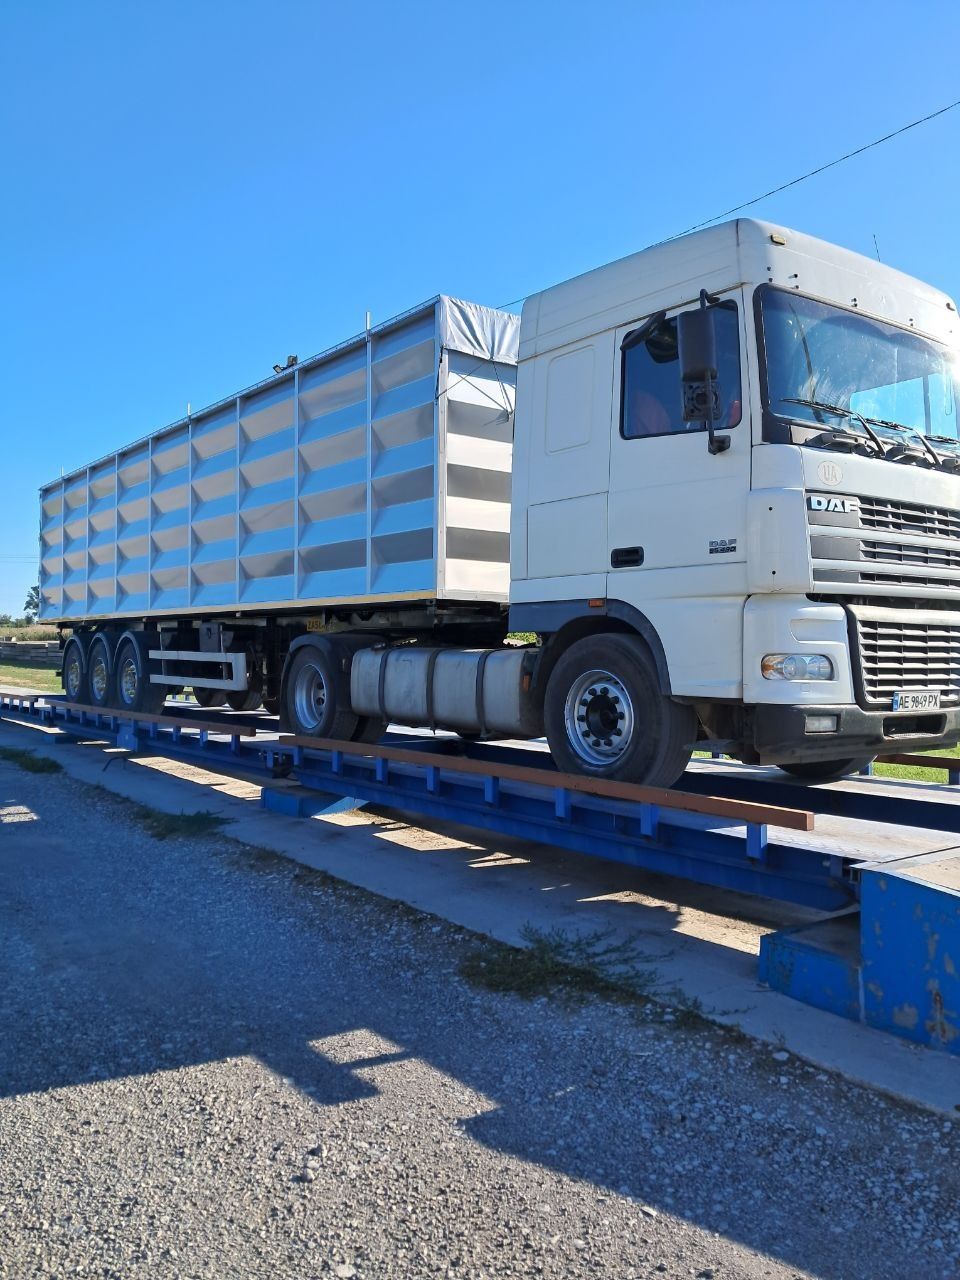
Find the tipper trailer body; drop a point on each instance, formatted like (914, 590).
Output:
(732, 491)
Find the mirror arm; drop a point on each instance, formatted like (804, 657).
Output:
(636, 336)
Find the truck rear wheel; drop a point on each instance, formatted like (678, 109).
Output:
(316, 693)
(244, 699)
(369, 729)
(76, 686)
(826, 770)
(606, 717)
(210, 697)
(133, 690)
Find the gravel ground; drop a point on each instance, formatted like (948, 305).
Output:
(216, 1064)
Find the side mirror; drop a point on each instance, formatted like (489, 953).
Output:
(697, 353)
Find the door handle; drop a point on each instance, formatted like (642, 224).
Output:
(626, 557)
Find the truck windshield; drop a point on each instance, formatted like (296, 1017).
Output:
(847, 374)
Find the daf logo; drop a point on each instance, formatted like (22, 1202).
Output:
(828, 502)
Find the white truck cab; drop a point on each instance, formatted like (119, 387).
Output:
(798, 588)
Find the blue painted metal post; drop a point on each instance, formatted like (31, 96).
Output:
(757, 841)
(561, 803)
(650, 820)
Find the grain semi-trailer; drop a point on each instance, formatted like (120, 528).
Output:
(727, 505)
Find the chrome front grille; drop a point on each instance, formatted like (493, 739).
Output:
(905, 517)
(910, 553)
(906, 547)
(897, 653)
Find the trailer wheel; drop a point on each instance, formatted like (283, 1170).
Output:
(316, 695)
(134, 692)
(272, 705)
(826, 770)
(100, 671)
(210, 697)
(74, 676)
(605, 716)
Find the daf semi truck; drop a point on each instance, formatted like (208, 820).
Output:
(718, 482)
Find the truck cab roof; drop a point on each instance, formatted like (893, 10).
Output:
(744, 251)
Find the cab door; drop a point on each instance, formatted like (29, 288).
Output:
(677, 513)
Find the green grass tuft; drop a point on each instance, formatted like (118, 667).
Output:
(556, 962)
(27, 760)
(172, 826)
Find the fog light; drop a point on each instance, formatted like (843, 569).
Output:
(821, 724)
(796, 666)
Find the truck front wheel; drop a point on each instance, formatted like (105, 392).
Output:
(826, 770)
(606, 717)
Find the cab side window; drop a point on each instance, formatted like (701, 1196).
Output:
(650, 391)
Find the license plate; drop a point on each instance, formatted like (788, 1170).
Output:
(917, 700)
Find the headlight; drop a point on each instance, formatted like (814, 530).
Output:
(796, 666)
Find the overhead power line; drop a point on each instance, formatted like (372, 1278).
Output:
(804, 177)
(867, 146)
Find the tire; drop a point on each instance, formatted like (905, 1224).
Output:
(316, 692)
(369, 729)
(826, 770)
(604, 689)
(244, 699)
(132, 688)
(100, 671)
(272, 705)
(74, 677)
(210, 697)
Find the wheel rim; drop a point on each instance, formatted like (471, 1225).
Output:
(599, 718)
(73, 675)
(129, 680)
(309, 695)
(99, 678)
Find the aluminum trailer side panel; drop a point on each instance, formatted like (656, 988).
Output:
(379, 470)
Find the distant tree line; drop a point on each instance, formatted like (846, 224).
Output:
(31, 607)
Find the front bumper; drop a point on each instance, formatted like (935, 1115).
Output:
(780, 732)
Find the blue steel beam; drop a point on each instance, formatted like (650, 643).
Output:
(715, 851)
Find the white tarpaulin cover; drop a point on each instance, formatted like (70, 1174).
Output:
(480, 331)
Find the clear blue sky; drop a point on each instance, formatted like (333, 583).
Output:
(193, 191)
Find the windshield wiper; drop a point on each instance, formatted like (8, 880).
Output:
(911, 431)
(951, 462)
(840, 412)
